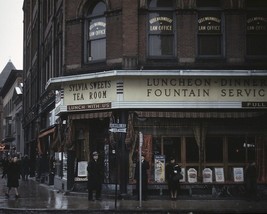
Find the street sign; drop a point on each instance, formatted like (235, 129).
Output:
(117, 125)
(122, 130)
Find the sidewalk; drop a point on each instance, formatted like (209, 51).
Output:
(40, 198)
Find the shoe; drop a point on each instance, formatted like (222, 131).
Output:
(7, 195)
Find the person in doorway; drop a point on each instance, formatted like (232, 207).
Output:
(144, 181)
(251, 181)
(13, 176)
(95, 177)
(173, 176)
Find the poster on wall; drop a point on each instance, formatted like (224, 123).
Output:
(238, 174)
(219, 174)
(82, 169)
(159, 168)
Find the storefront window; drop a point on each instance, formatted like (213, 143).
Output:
(241, 149)
(172, 148)
(192, 155)
(96, 33)
(161, 28)
(236, 150)
(214, 149)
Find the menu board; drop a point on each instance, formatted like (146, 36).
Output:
(192, 175)
(207, 175)
(238, 174)
(219, 174)
(82, 168)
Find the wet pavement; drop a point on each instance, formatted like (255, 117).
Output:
(41, 198)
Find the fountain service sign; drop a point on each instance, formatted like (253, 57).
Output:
(162, 91)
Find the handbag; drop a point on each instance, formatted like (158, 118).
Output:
(177, 177)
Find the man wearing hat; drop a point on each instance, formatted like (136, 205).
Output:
(95, 177)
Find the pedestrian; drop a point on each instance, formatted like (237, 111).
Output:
(144, 182)
(25, 168)
(13, 176)
(251, 181)
(173, 176)
(5, 164)
(95, 177)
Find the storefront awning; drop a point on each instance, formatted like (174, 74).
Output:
(47, 132)
(198, 114)
(90, 115)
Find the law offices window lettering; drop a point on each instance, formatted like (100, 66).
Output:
(161, 29)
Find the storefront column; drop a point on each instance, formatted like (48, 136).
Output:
(123, 156)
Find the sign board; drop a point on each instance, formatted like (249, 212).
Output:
(117, 125)
(238, 174)
(219, 174)
(192, 175)
(82, 168)
(118, 130)
(159, 168)
(207, 175)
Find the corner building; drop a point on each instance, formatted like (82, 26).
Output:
(189, 75)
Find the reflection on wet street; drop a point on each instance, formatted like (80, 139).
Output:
(34, 195)
(40, 198)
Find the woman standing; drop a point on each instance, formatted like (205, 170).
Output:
(173, 175)
(13, 175)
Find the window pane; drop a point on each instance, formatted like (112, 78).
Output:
(97, 49)
(250, 146)
(172, 148)
(236, 150)
(209, 45)
(160, 3)
(192, 155)
(256, 44)
(214, 149)
(160, 45)
(208, 3)
(99, 9)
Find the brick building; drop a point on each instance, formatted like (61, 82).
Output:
(189, 75)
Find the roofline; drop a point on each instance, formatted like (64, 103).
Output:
(55, 83)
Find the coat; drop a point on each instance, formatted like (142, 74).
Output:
(13, 174)
(95, 174)
(172, 169)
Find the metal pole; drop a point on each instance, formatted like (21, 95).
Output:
(140, 167)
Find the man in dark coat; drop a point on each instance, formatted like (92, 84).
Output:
(251, 181)
(144, 168)
(95, 177)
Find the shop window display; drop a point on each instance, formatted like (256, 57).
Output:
(214, 149)
(192, 151)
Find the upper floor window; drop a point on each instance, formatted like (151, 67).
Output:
(210, 36)
(95, 33)
(256, 35)
(161, 30)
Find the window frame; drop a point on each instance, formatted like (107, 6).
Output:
(89, 18)
(173, 34)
